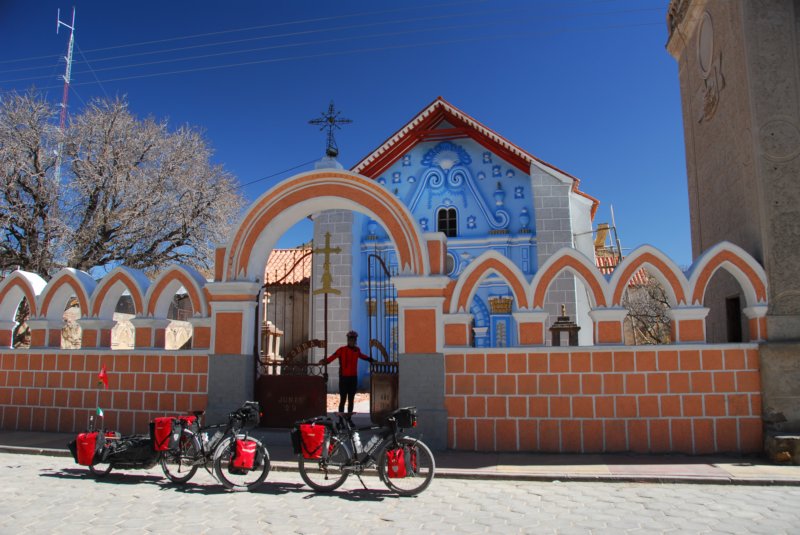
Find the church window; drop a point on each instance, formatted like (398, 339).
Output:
(447, 222)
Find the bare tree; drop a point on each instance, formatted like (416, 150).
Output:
(132, 191)
(29, 221)
(647, 305)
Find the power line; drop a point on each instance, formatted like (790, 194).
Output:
(261, 27)
(366, 50)
(481, 24)
(93, 73)
(273, 175)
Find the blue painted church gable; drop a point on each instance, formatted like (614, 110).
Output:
(480, 201)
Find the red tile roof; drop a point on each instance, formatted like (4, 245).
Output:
(288, 266)
(607, 263)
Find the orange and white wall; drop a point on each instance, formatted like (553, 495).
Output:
(688, 397)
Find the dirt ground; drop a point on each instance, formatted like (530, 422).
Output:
(333, 400)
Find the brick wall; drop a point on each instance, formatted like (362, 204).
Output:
(689, 399)
(56, 390)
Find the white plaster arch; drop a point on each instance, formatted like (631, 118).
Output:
(108, 291)
(66, 283)
(270, 216)
(726, 255)
(567, 255)
(13, 288)
(635, 257)
(480, 263)
(178, 274)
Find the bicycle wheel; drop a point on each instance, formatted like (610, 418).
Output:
(180, 464)
(419, 464)
(326, 475)
(100, 469)
(240, 479)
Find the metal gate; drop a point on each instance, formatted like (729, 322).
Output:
(383, 339)
(288, 386)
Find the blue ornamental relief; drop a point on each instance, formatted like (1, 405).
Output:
(447, 175)
(446, 155)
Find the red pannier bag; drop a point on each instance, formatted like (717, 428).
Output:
(312, 437)
(396, 463)
(244, 454)
(163, 433)
(86, 447)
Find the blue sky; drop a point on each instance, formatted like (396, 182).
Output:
(585, 85)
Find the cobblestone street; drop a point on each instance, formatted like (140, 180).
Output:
(53, 495)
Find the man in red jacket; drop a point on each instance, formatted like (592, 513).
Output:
(348, 369)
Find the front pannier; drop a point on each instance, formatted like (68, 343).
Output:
(86, 448)
(244, 454)
(396, 463)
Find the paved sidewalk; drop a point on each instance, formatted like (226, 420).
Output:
(511, 466)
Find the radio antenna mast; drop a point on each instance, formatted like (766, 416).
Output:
(67, 76)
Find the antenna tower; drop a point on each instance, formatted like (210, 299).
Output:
(67, 76)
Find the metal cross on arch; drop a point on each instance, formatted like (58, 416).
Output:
(330, 121)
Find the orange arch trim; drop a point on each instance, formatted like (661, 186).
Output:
(83, 299)
(316, 185)
(161, 285)
(554, 270)
(492, 263)
(719, 258)
(657, 263)
(129, 284)
(25, 290)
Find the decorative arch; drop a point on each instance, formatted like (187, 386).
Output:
(568, 259)
(308, 193)
(111, 287)
(160, 293)
(660, 266)
(65, 284)
(743, 267)
(490, 262)
(16, 286)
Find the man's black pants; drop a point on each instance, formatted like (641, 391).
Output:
(347, 391)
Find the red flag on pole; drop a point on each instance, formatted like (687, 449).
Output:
(102, 377)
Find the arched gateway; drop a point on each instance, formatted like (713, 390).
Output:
(233, 296)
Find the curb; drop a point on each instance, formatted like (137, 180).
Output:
(450, 473)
